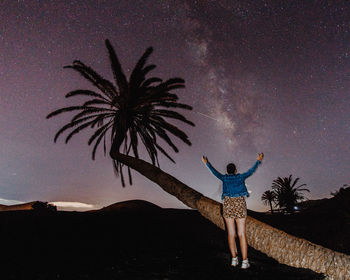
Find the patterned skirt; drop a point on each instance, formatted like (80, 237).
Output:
(234, 207)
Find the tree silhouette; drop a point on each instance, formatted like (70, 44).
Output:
(267, 198)
(134, 109)
(43, 206)
(287, 193)
(341, 192)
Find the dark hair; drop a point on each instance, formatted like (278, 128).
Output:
(231, 168)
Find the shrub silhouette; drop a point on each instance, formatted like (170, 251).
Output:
(44, 206)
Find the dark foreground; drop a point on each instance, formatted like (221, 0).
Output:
(162, 244)
(325, 222)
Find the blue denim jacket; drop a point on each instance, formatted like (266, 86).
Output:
(233, 185)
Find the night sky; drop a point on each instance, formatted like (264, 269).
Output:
(262, 76)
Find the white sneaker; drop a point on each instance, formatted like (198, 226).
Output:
(245, 264)
(234, 261)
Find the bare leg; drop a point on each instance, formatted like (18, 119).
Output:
(231, 234)
(241, 231)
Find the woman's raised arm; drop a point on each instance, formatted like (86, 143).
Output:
(211, 168)
(254, 167)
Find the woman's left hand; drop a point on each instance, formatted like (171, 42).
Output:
(204, 159)
(260, 157)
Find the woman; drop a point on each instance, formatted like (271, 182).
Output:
(235, 207)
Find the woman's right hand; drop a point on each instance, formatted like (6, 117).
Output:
(204, 159)
(260, 157)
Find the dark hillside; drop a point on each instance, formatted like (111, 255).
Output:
(23, 206)
(325, 222)
(130, 206)
(163, 244)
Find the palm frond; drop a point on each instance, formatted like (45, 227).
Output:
(150, 81)
(99, 131)
(88, 112)
(118, 73)
(105, 86)
(164, 152)
(72, 124)
(162, 134)
(134, 141)
(160, 122)
(84, 92)
(175, 81)
(78, 129)
(173, 105)
(102, 133)
(145, 71)
(130, 178)
(172, 114)
(62, 110)
(138, 73)
(148, 143)
(97, 102)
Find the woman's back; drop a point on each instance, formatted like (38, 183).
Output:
(233, 185)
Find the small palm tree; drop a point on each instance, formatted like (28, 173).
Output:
(135, 109)
(287, 194)
(268, 197)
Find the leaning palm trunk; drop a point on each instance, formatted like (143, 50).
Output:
(283, 247)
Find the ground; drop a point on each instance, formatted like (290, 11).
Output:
(152, 244)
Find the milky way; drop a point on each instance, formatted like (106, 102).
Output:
(262, 76)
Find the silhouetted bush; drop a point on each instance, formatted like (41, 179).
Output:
(43, 206)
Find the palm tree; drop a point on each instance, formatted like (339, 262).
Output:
(136, 109)
(130, 110)
(268, 197)
(287, 194)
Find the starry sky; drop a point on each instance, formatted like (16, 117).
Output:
(262, 76)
